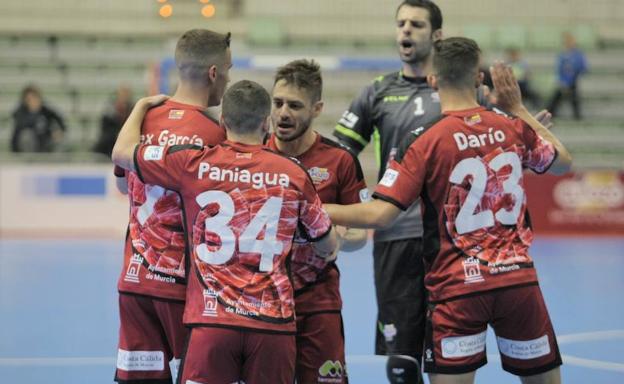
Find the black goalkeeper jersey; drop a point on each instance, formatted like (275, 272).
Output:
(386, 110)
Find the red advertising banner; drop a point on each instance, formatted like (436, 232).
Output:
(583, 202)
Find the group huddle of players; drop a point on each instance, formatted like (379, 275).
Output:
(229, 272)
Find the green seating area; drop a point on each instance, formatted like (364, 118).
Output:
(77, 75)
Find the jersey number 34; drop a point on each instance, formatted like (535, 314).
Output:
(267, 217)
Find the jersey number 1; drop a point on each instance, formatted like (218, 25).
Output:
(467, 220)
(419, 111)
(267, 217)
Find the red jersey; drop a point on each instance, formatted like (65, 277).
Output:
(243, 204)
(154, 262)
(338, 179)
(467, 167)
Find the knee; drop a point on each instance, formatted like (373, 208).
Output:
(403, 369)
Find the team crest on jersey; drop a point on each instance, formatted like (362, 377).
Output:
(132, 273)
(243, 155)
(210, 303)
(176, 114)
(472, 272)
(318, 175)
(472, 120)
(435, 97)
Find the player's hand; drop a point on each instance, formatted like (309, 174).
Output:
(339, 232)
(152, 101)
(545, 118)
(506, 86)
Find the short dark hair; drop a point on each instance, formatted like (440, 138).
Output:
(456, 61)
(435, 15)
(304, 74)
(244, 106)
(199, 49)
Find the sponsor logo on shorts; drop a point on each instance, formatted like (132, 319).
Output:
(331, 372)
(524, 350)
(318, 175)
(210, 303)
(153, 152)
(472, 271)
(140, 360)
(388, 330)
(132, 273)
(389, 177)
(462, 346)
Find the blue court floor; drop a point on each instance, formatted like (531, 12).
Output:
(58, 320)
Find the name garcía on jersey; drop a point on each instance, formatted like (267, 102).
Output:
(166, 137)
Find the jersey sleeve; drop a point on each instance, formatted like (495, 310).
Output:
(402, 182)
(355, 127)
(352, 186)
(540, 153)
(314, 223)
(163, 166)
(119, 172)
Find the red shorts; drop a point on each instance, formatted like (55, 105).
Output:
(456, 329)
(224, 356)
(320, 349)
(151, 338)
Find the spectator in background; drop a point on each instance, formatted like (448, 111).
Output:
(116, 112)
(521, 71)
(571, 63)
(37, 127)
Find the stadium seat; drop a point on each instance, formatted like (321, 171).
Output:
(266, 32)
(512, 36)
(546, 37)
(482, 34)
(586, 36)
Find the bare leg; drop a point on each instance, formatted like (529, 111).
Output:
(551, 377)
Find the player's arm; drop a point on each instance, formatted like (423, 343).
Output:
(314, 223)
(351, 189)
(372, 214)
(355, 127)
(509, 98)
(397, 190)
(130, 133)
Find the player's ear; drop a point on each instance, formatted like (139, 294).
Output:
(432, 80)
(212, 73)
(265, 126)
(436, 35)
(317, 108)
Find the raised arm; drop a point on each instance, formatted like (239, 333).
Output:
(130, 133)
(510, 99)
